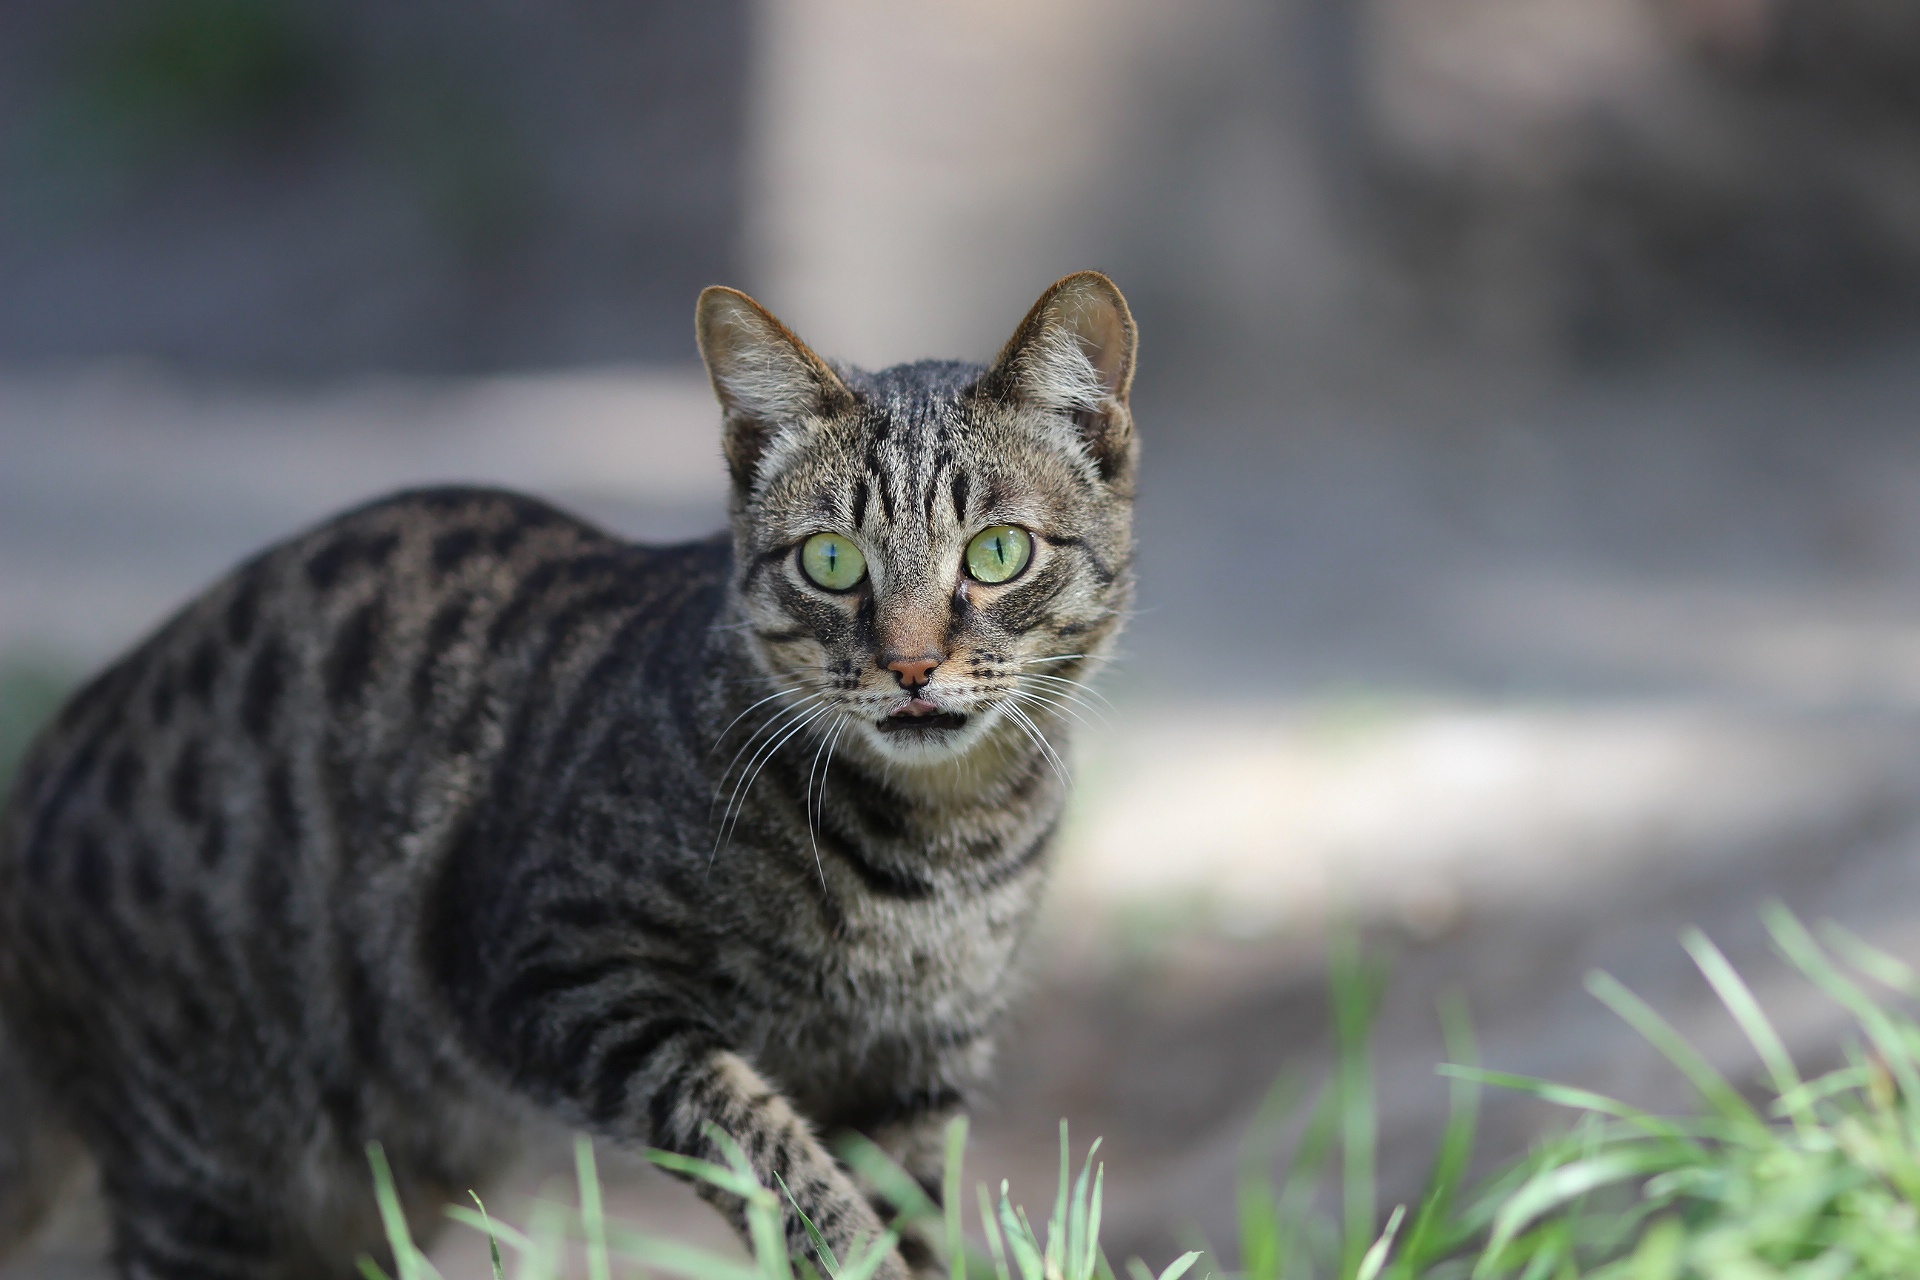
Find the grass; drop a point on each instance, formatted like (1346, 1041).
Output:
(1816, 1179)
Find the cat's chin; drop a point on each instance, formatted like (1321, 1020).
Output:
(928, 739)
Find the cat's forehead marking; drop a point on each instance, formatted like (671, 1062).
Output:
(910, 427)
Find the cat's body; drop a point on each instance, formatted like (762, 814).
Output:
(456, 811)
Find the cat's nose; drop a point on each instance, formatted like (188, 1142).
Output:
(912, 672)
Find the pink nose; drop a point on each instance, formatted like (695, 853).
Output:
(913, 672)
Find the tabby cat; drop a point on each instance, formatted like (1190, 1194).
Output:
(456, 811)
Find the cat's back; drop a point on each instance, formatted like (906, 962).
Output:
(315, 723)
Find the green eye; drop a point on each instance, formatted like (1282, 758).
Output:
(999, 553)
(833, 561)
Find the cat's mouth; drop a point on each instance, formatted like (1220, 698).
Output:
(921, 717)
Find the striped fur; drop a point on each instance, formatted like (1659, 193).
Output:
(457, 811)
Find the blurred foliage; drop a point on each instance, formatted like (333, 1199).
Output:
(168, 74)
(31, 690)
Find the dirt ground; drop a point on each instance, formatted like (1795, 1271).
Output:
(1525, 676)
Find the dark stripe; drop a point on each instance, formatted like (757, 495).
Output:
(661, 1106)
(244, 609)
(351, 664)
(92, 876)
(281, 806)
(202, 669)
(878, 880)
(529, 594)
(1101, 569)
(765, 558)
(123, 781)
(585, 914)
(266, 680)
(160, 700)
(619, 1064)
(860, 496)
(1025, 860)
(328, 565)
(183, 787)
(542, 982)
(960, 484)
(448, 622)
(878, 474)
(453, 548)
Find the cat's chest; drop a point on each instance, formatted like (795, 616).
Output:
(895, 981)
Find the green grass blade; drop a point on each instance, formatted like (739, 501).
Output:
(728, 1180)
(990, 1229)
(593, 1218)
(1376, 1256)
(1887, 970)
(1739, 1000)
(1175, 1269)
(1564, 1095)
(680, 1259)
(1028, 1254)
(908, 1198)
(1658, 1032)
(1057, 1224)
(952, 1186)
(485, 1224)
(1456, 1144)
(869, 1259)
(1799, 947)
(407, 1259)
(1554, 1187)
(1355, 992)
(820, 1245)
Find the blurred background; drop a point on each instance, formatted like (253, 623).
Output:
(1530, 527)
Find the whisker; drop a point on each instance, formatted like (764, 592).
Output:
(778, 693)
(827, 744)
(1027, 695)
(1032, 731)
(778, 717)
(738, 805)
(1075, 693)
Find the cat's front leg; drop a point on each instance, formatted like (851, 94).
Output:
(719, 1089)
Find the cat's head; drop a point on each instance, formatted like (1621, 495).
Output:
(938, 550)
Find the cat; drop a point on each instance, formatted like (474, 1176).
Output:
(456, 811)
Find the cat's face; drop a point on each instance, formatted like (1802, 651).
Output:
(938, 552)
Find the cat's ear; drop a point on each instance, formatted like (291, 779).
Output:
(769, 383)
(1073, 354)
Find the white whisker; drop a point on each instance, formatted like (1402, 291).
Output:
(1028, 696)
(827, 744)
(777, 718)
(778, 693)
(737, 805)
(1032, 731)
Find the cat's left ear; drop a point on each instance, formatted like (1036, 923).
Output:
(1073, 354)
(769, 383)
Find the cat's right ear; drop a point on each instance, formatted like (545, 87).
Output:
(769, 383)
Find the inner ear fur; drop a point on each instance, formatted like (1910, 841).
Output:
(1074, 354)
(766, 379)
